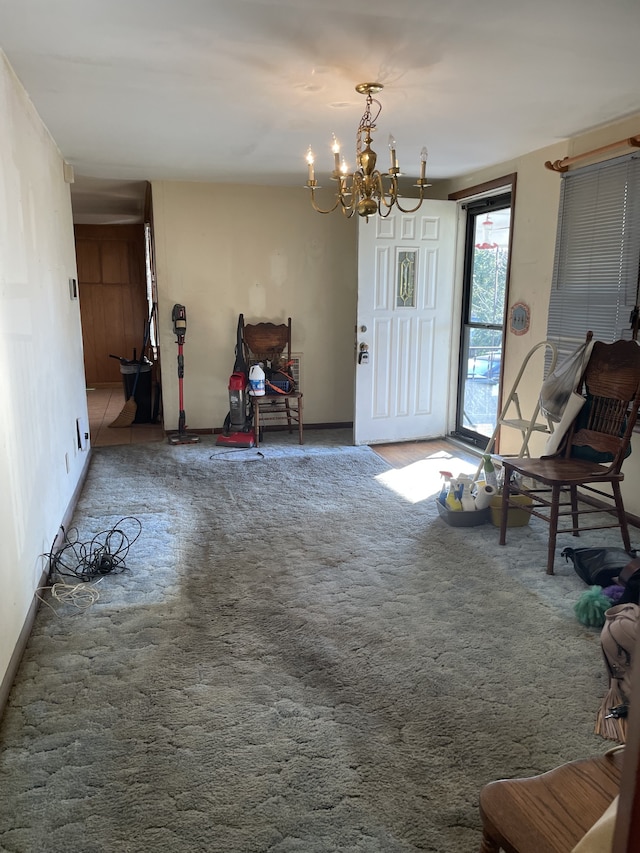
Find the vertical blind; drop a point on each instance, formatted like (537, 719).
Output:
(596, 265)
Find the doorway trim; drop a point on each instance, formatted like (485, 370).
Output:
(478, 192)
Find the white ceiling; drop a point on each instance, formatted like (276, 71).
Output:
(236, 90)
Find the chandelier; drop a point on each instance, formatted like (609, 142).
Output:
(366, 191)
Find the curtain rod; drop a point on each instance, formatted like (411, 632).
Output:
(563, 165)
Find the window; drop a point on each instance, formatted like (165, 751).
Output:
(596, 266)
(486, 265)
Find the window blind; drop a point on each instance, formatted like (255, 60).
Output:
(596, 264)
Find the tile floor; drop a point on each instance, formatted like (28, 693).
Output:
(105, 404)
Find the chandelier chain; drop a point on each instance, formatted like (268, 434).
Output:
(367, 124)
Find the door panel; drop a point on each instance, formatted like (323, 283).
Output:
(405, 300)
(113, 302)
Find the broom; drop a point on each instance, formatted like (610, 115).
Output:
(130, 408)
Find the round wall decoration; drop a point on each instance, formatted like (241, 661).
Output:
(520, 316)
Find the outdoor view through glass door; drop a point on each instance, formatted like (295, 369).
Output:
(483, 309)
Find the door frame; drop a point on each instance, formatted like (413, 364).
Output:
(488, 189)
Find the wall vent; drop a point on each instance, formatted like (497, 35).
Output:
(296, 369)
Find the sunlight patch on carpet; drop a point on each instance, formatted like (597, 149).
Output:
(422, 480)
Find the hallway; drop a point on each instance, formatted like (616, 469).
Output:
(105, 404)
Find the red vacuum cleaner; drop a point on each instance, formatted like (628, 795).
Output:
(179, 317)
(238, 425)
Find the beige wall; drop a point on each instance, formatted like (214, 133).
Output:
(222, 250)
(41, 368)
(534, 233)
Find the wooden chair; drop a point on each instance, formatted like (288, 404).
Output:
(549, 813)
(593, 452)
(270, 344)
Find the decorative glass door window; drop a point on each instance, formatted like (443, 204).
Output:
(406, 280)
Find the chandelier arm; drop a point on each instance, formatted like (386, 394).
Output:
(319, 209)
(345, 193)
(382, 193)
(413, 209)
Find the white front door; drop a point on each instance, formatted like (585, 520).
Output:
(404, 331)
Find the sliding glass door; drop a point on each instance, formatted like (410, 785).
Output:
(483, 311)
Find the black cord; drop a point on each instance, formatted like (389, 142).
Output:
(239, 453)
(104, 554)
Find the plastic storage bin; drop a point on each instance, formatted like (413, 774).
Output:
(462, 518)
(515, 517)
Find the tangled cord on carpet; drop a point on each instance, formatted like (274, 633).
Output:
(104, 554)
(80, 595)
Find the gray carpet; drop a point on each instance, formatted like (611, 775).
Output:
(299, 660)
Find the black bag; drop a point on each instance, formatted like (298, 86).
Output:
(598, 566)
(630, 580)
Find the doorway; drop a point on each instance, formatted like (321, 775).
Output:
(484, 300)
(117, 293)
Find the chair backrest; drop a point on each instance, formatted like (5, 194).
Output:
(611, 385)
(268, 342)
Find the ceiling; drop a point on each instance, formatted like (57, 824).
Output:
(237, 90)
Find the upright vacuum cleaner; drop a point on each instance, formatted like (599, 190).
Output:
(238, 425)
(179, 317)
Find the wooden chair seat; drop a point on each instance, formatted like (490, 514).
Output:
(549, 813)
(570, 471)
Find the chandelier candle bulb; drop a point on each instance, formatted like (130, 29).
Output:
(392, 152)
(310, 160)
(423, 163)
(335, 147)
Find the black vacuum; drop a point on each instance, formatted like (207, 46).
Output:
(179, 317)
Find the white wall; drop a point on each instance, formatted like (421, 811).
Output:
(41, 370)
(534, 234)
(222, 250)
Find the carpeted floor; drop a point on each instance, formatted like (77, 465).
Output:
(298, 660)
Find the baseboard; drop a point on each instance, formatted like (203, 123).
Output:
(25, 633)
(285, 427)
(271, 427)
(632, 519)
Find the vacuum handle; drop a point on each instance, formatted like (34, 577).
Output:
(179, 319)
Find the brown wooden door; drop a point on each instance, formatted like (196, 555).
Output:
(113, 298)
